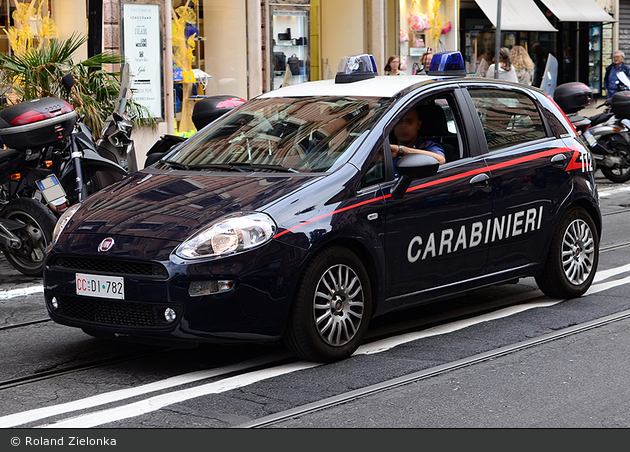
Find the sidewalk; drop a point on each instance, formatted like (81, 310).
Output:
(592, 109)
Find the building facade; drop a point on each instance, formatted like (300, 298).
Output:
(181, 50)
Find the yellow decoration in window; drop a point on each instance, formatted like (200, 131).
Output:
(32, 26)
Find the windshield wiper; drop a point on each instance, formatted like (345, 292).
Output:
(174, 164)
(221, 166)
(230, 166)
(259, 166)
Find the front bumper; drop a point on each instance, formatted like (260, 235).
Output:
(255, 310)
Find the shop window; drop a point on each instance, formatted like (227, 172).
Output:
(216, 53)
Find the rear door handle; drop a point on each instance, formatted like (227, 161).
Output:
(559, 160)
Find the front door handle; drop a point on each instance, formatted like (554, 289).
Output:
(481, 181)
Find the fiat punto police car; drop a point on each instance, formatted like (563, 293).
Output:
(294, 216)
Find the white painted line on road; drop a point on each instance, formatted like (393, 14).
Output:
(26, 417)
(605, 274)
(612, 191)
(21, 292)
(158, 402)
(161, 401)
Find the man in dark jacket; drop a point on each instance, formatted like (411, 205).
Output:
(610, 79)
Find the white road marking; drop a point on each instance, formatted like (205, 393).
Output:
(158, 402)
(612, 191)
(21, 292)
(25, 417)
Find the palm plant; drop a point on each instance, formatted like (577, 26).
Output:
(38, 72)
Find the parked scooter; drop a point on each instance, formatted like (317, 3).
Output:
(116, 143)
(607, 133)
(29, 195)
(77, 161)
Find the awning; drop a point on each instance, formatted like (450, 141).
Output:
(516, 15)
(578, 11)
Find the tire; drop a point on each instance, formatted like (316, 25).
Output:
(335, 289)
(573, 257)
(29, 260)
(619, 175)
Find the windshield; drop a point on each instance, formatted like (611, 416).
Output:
(281, 134)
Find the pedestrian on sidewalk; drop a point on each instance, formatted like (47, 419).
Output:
(610, 79)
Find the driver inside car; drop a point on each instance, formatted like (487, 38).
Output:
(409, 142)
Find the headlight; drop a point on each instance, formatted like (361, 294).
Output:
(232, 234)
(62, 222)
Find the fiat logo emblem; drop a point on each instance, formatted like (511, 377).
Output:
(106, 244)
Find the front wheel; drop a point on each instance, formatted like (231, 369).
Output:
(621, 173)
(332, 307)
(573, 256)
(40, 222)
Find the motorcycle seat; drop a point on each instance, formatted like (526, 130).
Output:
(600, 118)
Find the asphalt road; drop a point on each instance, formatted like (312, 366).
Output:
(576, 381)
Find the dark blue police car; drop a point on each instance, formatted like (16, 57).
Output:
(288, 217)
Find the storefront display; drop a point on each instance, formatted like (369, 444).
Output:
(290, 57)
(595, 59)
(425, 26)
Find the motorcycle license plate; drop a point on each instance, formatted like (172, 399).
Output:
(589, 137)
(100, 286)
(51, 188)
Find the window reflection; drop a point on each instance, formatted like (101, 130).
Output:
(300, 133)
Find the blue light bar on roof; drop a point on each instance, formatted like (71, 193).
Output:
(356, 67)
(449, 63)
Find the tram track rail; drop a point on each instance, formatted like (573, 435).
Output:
(340, 399)
(21, 324)
(12, 382)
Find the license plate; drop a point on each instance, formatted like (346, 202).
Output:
(51, 188)
(589, 137)
(100, 286)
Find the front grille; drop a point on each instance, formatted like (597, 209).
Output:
(114, 312)
(111, 266)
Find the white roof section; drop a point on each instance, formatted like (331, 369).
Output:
(578, 11)
(382, 86)
(516, 15)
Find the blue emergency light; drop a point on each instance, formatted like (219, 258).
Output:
(356, 67)
(449, 63)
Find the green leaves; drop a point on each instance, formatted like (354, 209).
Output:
(38, 73)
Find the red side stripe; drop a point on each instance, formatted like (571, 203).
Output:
(474, 172)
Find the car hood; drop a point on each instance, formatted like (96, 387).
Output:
(175, 205)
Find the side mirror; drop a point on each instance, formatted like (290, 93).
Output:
(410, 167)
(68, 81)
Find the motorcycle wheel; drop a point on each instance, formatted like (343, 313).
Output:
(622, 174)
(29, 259)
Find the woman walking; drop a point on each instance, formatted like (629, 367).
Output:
(506, 68)
(523, 64)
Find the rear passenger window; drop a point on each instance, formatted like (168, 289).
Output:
(507, 118)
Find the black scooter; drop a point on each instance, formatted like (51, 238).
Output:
(29, 195)
(607, 133)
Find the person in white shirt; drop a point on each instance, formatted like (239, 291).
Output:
(506, 68)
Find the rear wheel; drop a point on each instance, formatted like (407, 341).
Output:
(573, 257)
(622, 173)
(331, 311)
(40, 221)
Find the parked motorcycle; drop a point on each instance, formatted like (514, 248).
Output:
(78, 161)
(116, 143)
(607, 133)
(29, 194)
